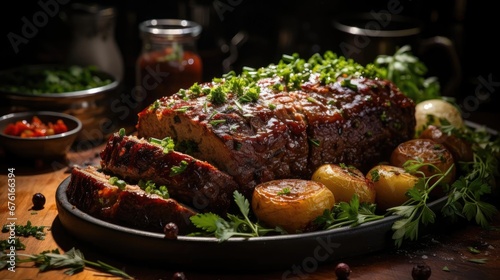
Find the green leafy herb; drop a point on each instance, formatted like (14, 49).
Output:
(150, 187)
(176, 170)
(16, 242)
(122, 132)
(217, 95)
(183, 109)
(407, 72)
(155, 105)
(166, 143)
(375, 175)
(350, 214)
(57, 79)
(27, 230)
(115, 181)
(216, 122)
(415, 210)
(73, 261)
(284, 191)
(214, 225)
(466, 193)
(348, 84)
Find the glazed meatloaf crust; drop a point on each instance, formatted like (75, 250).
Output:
(287, 134)
(89, 190)
(284, 132)
(191, 181)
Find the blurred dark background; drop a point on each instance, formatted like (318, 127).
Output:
(239, 33)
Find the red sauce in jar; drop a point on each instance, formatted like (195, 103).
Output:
(163, 73)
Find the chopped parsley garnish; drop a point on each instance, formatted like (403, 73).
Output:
(284, 191)
(122, 132)
(166, 143)
(151, 188)
(27, 230)
(176, 170)
(115, 181)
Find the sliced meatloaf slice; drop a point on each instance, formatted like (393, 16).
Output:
(90, 191)
(193, 182)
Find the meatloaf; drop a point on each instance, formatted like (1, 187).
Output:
(193, 182)
(265, 125)
(90, 191)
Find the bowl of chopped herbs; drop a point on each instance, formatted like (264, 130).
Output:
(81, 91)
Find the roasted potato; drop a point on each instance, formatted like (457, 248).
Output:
(291, 204)
(428, 151)
(391, 184)
(429, 112)
(344, 182)
(459, 148)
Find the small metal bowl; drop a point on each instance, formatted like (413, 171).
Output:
(45, 147)
(91, 106)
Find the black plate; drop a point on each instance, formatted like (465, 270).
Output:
(282, 252)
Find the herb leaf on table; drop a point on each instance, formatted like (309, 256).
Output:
(73, 261)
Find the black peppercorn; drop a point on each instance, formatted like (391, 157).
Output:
(170, 230)
(342, 271)
(421, 271)
(38, 201)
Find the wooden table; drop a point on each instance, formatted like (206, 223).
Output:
(447, 247)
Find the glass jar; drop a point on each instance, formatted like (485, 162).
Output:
(169, 60)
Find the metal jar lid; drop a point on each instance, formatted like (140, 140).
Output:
(171, 29)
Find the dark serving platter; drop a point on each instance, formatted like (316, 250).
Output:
(257, 253)
(278, 252)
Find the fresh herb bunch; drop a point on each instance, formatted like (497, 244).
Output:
(465, 199)
(407, 72)
(73, 261)
(415, 211)
(465, 196)
(234, 226)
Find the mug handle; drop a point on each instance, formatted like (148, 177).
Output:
(452, 86)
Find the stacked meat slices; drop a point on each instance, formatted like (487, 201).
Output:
(194, 186)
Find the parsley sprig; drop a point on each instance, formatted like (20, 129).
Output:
(350, 214)
(409, 74)
(465, 199)
(415, 211)
(234, 226)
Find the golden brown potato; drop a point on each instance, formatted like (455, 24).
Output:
(291, 204)
(344, 182)
(391, 184)
(428, 151)
(459, 148)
